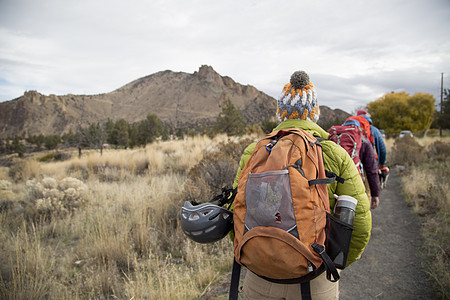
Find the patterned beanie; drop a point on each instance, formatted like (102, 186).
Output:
(298, 99)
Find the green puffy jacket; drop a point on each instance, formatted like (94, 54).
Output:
(336, 160)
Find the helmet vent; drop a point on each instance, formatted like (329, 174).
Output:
(194, 217)
(210, 229)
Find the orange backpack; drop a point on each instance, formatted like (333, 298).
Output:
(281, 209)
(365, 126)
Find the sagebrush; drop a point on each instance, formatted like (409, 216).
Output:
(106, 226)
(426, 185)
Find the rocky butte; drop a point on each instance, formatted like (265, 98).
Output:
(178, 99)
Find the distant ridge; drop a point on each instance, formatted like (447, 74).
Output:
(179, 99)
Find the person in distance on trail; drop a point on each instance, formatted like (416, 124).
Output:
(380, 146)
(292, 113)
(370, 167)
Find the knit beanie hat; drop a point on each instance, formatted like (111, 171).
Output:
(362, 112)
(298, 99)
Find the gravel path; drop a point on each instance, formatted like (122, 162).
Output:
(390, 267)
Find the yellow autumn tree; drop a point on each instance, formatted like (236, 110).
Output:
(394, 112)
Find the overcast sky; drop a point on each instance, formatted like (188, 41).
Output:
(354, 51)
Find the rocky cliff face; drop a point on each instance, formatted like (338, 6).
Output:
(330, 117)
(178, 99)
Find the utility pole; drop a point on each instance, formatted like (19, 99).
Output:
(442, 91)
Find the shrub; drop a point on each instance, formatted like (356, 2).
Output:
(206, 179)
(439, 150)
(234, 149)
(60, 198)
(62, 156)
(55, 156)
(46, 157)
(254, 129)
(4, 173)
(407, 151)
(268, 125)
(5, 185)
(6, 195)
(216, 170)
(24, 170)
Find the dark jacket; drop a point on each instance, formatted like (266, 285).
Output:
(370, 165)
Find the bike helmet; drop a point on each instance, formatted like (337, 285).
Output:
(206, 222)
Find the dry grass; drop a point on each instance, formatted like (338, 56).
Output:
(123, 242)
(22, 170)
(426, 186)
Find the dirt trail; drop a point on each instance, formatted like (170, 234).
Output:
(390, 267)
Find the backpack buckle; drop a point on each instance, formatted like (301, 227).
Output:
(318, 248)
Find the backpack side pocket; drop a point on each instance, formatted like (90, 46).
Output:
(337, 245)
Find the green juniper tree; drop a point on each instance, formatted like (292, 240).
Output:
(18, 147)
(230, 120)
(443, 117)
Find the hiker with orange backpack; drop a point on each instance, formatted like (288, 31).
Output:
(350, 136)
(261, 175)
(369, 132)
(378, 142)
(380, 148)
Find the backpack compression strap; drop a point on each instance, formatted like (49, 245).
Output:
(331, 178)
(329, 265)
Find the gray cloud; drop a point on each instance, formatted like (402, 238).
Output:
(354, 51)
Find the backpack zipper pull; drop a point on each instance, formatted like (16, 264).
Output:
(310, 268)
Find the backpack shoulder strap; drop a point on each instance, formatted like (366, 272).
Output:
(234, 285)
(331, 176)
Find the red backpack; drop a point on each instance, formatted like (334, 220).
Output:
(349, 137)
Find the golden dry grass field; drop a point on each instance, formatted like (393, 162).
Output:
(106, 226)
